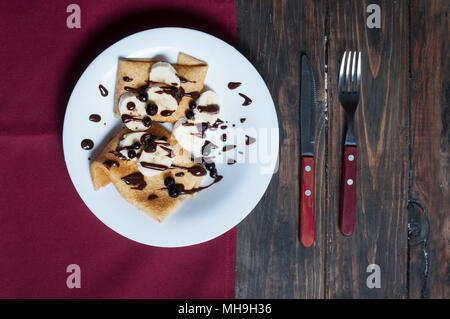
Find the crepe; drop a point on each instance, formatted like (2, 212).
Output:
(136, 71)
(103, 171)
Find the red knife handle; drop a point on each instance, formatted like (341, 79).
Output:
(307, 202)
(348, 191)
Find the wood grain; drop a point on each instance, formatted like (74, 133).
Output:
(271, 263)
(401, 126)
(380, 235)
(429, 146)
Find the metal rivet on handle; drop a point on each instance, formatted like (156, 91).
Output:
(349, 181)
(351, 157)
(307, 168)
(307, 192)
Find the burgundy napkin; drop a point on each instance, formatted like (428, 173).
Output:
(44, 224)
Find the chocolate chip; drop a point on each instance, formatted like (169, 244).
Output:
(169, 181)
(151, 109)
(192, 105)
(131, 154)
(147, 121)
(190, 114)
(143, 97)
(136, 145)
(173, 191)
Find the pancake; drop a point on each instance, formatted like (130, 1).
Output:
(109, 168)
(134, 73)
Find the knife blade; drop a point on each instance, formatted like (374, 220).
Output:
(307, 119)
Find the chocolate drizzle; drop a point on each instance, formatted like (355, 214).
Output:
(196, 170)
(249, 140)
(211, 108)
(247, 100)
(216, 124)
(118, 155)
(152, 196)
(95, 118)
(127, 79)
(110, 163)
(167, 112)
(183, 191)
(227, 148)
(184, 80)
(234, 85)
(135, 179)
(131, 106)
(231, 161)
(103, 90)
(87, 144)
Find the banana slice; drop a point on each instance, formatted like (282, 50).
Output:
(155, 158)
(163, 72)
(128, 141)
(132, 111)
(163, 97)
(207, 109)
(187, 133)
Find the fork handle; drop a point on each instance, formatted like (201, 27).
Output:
(348, 191)
(307, 201)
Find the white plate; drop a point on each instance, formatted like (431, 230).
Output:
(213, 211)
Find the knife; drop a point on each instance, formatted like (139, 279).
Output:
(307, 189)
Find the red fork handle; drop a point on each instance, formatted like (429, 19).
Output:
(307, 202)
(348, 191)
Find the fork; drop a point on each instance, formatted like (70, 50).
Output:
(349, 86)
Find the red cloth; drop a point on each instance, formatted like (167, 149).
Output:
(44, 224)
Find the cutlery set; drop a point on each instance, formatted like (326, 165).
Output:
(348, 88)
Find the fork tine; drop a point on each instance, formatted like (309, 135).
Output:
(341, 73)
(358, 73)
(352, 83)
(348, 77)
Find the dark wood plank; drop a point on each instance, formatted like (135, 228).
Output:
(271, 263)
(381, 127)
(429, 140)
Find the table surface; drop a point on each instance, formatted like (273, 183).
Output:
(401, 127)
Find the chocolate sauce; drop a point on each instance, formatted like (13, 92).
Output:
(234, 85)
(128, 118)
(207, 147)
(135, 179)
(249, 140)
(183, 191)
(152, 196)
(224, 127)
(103, 90)
(216, 124)
(211, 108)
(95, 118)
(196, 170)
(157, 167)
(227, 148)
(231, 161)
(87, 144)
(110, 163)
(167, 112)
(169, 151)
(243, 119)
(184, 80)
(131, 106)
(179, 174)
(127, 79)
(224, 137)
(247, 100)
(118, 155)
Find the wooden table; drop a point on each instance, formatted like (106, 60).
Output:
(402, 130)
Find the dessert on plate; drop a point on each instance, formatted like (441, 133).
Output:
(154, 168)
